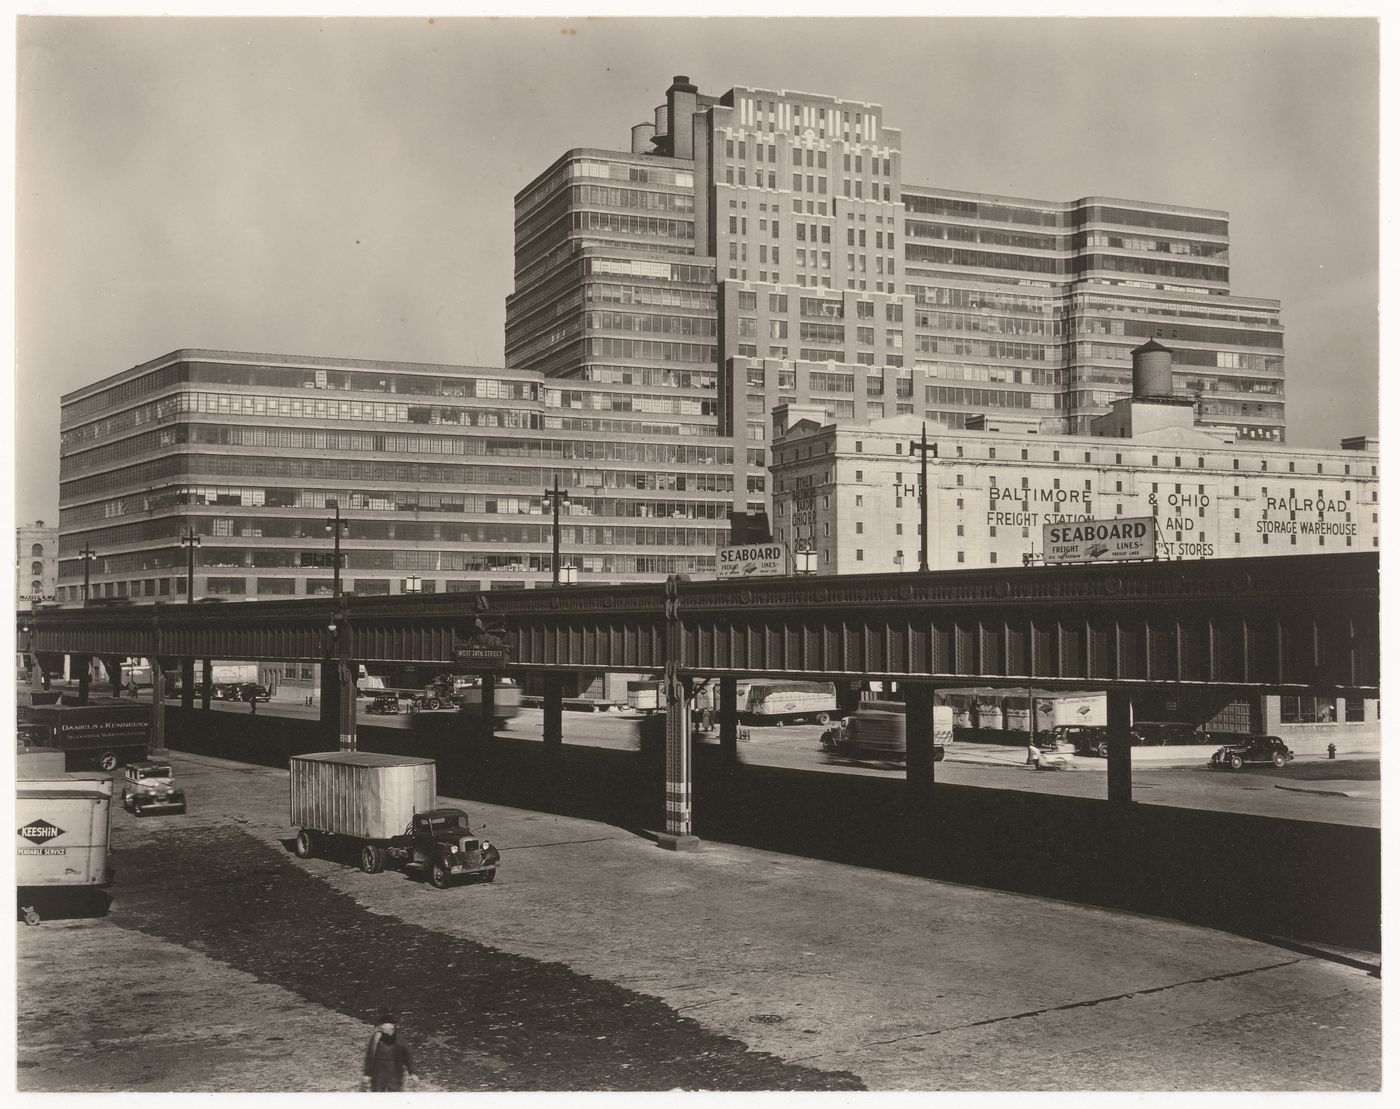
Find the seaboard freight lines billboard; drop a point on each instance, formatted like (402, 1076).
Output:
(756, 560)
(1101, 540)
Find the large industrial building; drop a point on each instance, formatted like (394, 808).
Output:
(748, 251)
(851, 494)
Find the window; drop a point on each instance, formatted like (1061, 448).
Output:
(1355, 710)
(860, 555)
(1307, 710)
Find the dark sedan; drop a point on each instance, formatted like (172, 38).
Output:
(1253, 750)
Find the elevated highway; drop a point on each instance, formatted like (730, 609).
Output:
(1286, 624)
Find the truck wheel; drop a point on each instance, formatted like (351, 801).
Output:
(371, 858)
(31, 917)
(823, 718)
(431, 704)
(1102, 750)
(1236, 763)
(303, 848)
(440, 876)
(107, 760)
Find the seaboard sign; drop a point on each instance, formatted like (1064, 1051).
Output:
(757, 560)
(1101, 540)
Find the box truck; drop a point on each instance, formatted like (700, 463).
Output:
(789, 702)
(103, 735)
(876, 730)
(63, 827)
(385, 807)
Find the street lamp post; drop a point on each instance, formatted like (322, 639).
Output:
(334, 525)
(569, 575)
(556, 496)
(89, 556)
(922, 446)
(414, 584)
(189, 541)
(805, 559)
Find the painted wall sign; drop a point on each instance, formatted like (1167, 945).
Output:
(759, 560)
(1100, 540)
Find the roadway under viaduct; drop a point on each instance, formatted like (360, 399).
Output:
(1286, 624)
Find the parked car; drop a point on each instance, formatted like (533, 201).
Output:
(150, 788)
(1252, 750)
(1165, 733)
(384, 705)
(1085, 739)
(251, 691)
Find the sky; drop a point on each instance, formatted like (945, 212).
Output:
(343, 187)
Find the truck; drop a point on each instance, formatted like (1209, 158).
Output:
(876, 731)
(63, 828)
(789, 702)
(385, 808)
(646, 696)
(505, 698)
(1065, 709)
(102, 734)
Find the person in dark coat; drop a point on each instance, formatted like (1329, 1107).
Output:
(387, 1059)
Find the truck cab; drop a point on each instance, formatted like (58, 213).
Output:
(442, 843)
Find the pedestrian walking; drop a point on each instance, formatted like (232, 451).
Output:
(388, 1062)
(253, 702)
(1033, 754)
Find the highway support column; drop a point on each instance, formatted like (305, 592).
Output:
(488, 704)
(114, 673)
(918, 735)
(729, 721)
(207, 673)
(187, 683)
(553, 714)
(83, 664)
(1120, 751)
(158, 748)
(345, 673)
(330, 698)
(677, 836)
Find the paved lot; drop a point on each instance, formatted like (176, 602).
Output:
(599, 962)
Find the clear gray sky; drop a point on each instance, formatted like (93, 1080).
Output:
(344, 187)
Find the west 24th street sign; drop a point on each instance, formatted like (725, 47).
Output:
(1101, 540)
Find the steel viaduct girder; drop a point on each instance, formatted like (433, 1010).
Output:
(1291, 622)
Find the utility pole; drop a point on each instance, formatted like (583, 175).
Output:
(189, 541)
(89, 556)
(924, 449)
(556, 496)
(334, 525)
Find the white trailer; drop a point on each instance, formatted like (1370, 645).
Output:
(63, 828)
(783, 702)
(385, 806)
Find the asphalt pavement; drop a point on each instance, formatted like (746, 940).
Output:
(597, 961)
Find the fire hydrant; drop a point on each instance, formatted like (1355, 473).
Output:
(1331, 750)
